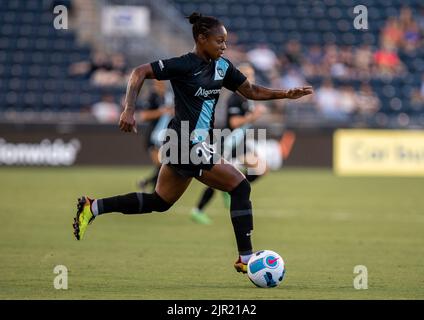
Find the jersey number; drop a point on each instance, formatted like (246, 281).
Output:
(203, 150)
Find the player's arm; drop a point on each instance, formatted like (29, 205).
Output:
(256, 92)
(138, 75)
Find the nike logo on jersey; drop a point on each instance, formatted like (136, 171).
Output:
(161, 66)
(197, 73)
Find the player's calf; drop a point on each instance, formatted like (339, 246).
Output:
(242, 219)
(131, 203)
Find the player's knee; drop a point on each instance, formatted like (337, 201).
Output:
(160, 204)
(149, 202)
(242, 191)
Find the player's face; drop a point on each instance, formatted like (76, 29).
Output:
(216, 43)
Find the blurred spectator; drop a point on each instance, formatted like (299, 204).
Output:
(338, 61)
(363, 61)
(411, 37)
(291, 79)
(292, 55)
(101, 70)
(388, 62)
(391, 34)
(330, 57)
(368, 102)
(348, 100)
(346, 57)
(106, 110)
(405, 17)
(119, 65)
(339, 70)
(85, 69)
(113, 76)
(263, 60)
(327, 102)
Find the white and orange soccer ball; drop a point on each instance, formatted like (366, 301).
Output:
(266, 269)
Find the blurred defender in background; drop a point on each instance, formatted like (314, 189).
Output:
(157, 112)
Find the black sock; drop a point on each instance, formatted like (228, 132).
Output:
(133, 203)
(252, 177)
(206, 197)
(241, 217)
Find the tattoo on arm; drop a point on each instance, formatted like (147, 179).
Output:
(133, 88)
(135, 83)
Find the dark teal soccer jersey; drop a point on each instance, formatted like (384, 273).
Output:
(197, 85)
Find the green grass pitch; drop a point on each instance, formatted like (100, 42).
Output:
(322, 225)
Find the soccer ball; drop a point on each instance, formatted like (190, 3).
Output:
(266, 269)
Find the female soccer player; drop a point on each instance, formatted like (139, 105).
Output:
(241, 113)
(196, 78)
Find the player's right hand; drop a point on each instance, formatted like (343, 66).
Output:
(127, 122)
(297, 93)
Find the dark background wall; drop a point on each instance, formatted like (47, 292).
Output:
(106, 145)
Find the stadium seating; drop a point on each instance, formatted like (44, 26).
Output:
(319, 22)
(35, 58)
(34, 61)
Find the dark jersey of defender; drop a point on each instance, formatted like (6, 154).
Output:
(197, 85)
(154, 102)
(238, 106)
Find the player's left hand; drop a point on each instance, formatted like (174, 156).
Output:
(296, 93)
